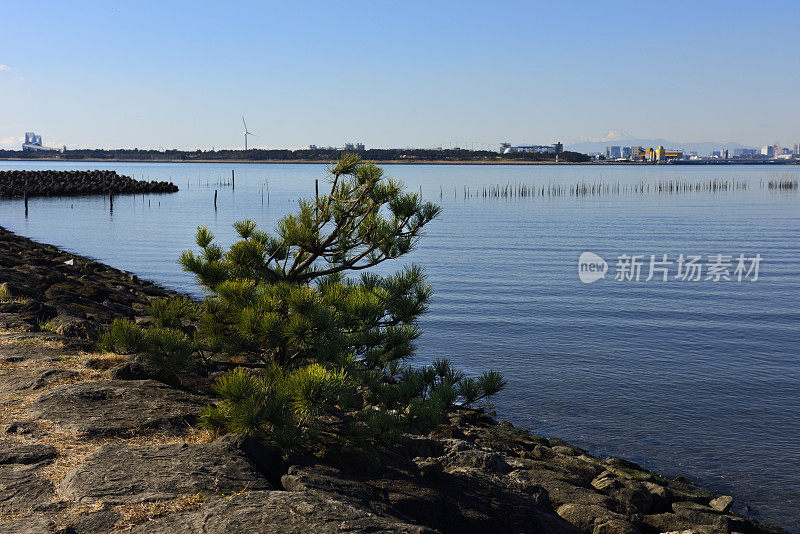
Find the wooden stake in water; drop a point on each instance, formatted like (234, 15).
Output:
(215, 199)
(26, 203)
(233, 180)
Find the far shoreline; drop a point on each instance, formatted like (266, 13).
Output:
(409, 162)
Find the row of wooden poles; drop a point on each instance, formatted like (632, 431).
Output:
(232, 183)
(585, 189)
(786, 181)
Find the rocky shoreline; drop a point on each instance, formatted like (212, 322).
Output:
(96, 442)
(24, 184)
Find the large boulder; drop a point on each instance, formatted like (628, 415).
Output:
(25, 314)
(561, 491)
(26, 525)
(587, 516)
(723, 503)
(98, 522)
(114, 407)
(472, 500)
(16, 380)
(326, 481)
(30, 347)
(277, 512)
(22, 489)
(17, 453)
(476, 459)
(125, 474)
(69, 326)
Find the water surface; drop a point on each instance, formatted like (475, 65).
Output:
(699, 379)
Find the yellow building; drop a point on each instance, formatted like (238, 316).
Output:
(654, 155)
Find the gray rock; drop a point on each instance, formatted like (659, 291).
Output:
(268, 460)
(26, 525)
(452, 445)
(21, 489)
(15, 453)
(51, 376)
(587, 516)
(94, 522)
(29, 347)
(20, 427)
(471, 500)
(567, 450)
(477, 459)
(129, 371)
(625, 464)
(673, 523)
(422, 447)
(24, 379)
(693, 514)
(606, 482)
(124, 474)
(429, 468)
(662, 497)
(138, 370)
(615, 526)
(67, 325)
(276, 512)
(633, 497)
(559, 490)
(113, 407)
(325, 481)
(722, 503)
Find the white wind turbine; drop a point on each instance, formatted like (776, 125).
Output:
(246, 133)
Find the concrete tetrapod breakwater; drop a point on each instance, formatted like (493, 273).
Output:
(23, 184)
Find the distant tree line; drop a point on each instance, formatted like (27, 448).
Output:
(319, 154)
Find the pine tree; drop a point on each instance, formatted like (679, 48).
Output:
(319, 343)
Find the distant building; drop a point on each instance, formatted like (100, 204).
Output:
(768, 150)
(312, 147)
(797, 148)
(557, 148)
(745, 153)
(613, 152)
(354, 146)
(638, 153)
(33, 143)
(660, 154)
(626, 152)
(786, 151)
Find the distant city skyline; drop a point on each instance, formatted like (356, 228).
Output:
(180, 75)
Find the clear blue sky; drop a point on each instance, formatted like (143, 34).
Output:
(180, 74)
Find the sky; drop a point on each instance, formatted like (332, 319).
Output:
(180, 74)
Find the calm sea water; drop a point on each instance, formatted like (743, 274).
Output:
(700, 379)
